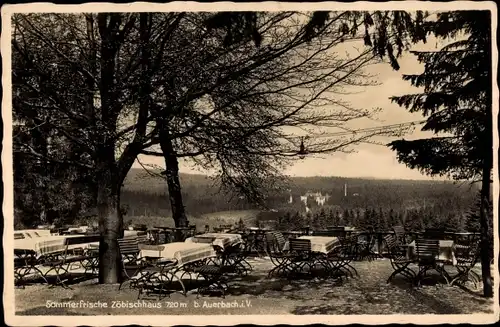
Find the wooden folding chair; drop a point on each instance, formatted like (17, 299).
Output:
(275, 243)
(427, 253)
(132, 265)
(398, 255)
(400, 234)
(300, 255)
(466, 254)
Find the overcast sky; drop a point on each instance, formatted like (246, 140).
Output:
(367, 160)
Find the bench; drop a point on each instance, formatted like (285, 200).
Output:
(61, 260)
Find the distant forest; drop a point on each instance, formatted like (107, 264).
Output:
(396, 200)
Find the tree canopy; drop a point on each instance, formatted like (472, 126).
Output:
(455, 98)
(457, 101)
(91, 92)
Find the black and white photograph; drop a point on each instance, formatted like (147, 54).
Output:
(304, 162)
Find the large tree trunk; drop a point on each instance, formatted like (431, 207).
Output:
(173, 183)
(110, 227)
(110, 218)
(485, 231)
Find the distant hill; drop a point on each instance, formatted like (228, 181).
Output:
(140, 180)
(144, 194)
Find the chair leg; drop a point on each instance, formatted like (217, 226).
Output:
(442, 271)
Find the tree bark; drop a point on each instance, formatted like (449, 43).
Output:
(110, 218)
(485, 232)
(173, 183)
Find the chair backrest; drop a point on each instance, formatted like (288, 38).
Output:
(300, 245)
(427, 247)
(400, 233)
(466, 253)
(350, 244)
(390, 241)
(280, 239)
(275, 241)
(128, 245)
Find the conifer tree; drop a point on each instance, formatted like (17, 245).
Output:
(457, 101)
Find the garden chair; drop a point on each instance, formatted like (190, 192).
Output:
(427, 251)
(155, 278)
(401, 236)
(300, 255)
(365, 245)
(466, 255)
(213, 279)
(257, 242)
(236, 257)
(340, 258)
(275, 243)
(398, 254)
(216, 273)
(132, 265)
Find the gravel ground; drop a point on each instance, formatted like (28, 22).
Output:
(255, 294)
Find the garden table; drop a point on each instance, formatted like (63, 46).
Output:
(53, 252)
(182, 252)
(445, 251)
(222, 240)
(32, 233)
(48, 245)
(321, 244)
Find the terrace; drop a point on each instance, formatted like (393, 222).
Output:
(256, 291)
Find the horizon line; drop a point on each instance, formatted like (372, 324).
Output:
(429, 179)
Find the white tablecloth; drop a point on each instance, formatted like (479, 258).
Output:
(127, 233)
(222, 240)
(79, 229)
(323, 244)
(445, 251)
(183, 252)
(31, 233)
(50, 244)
